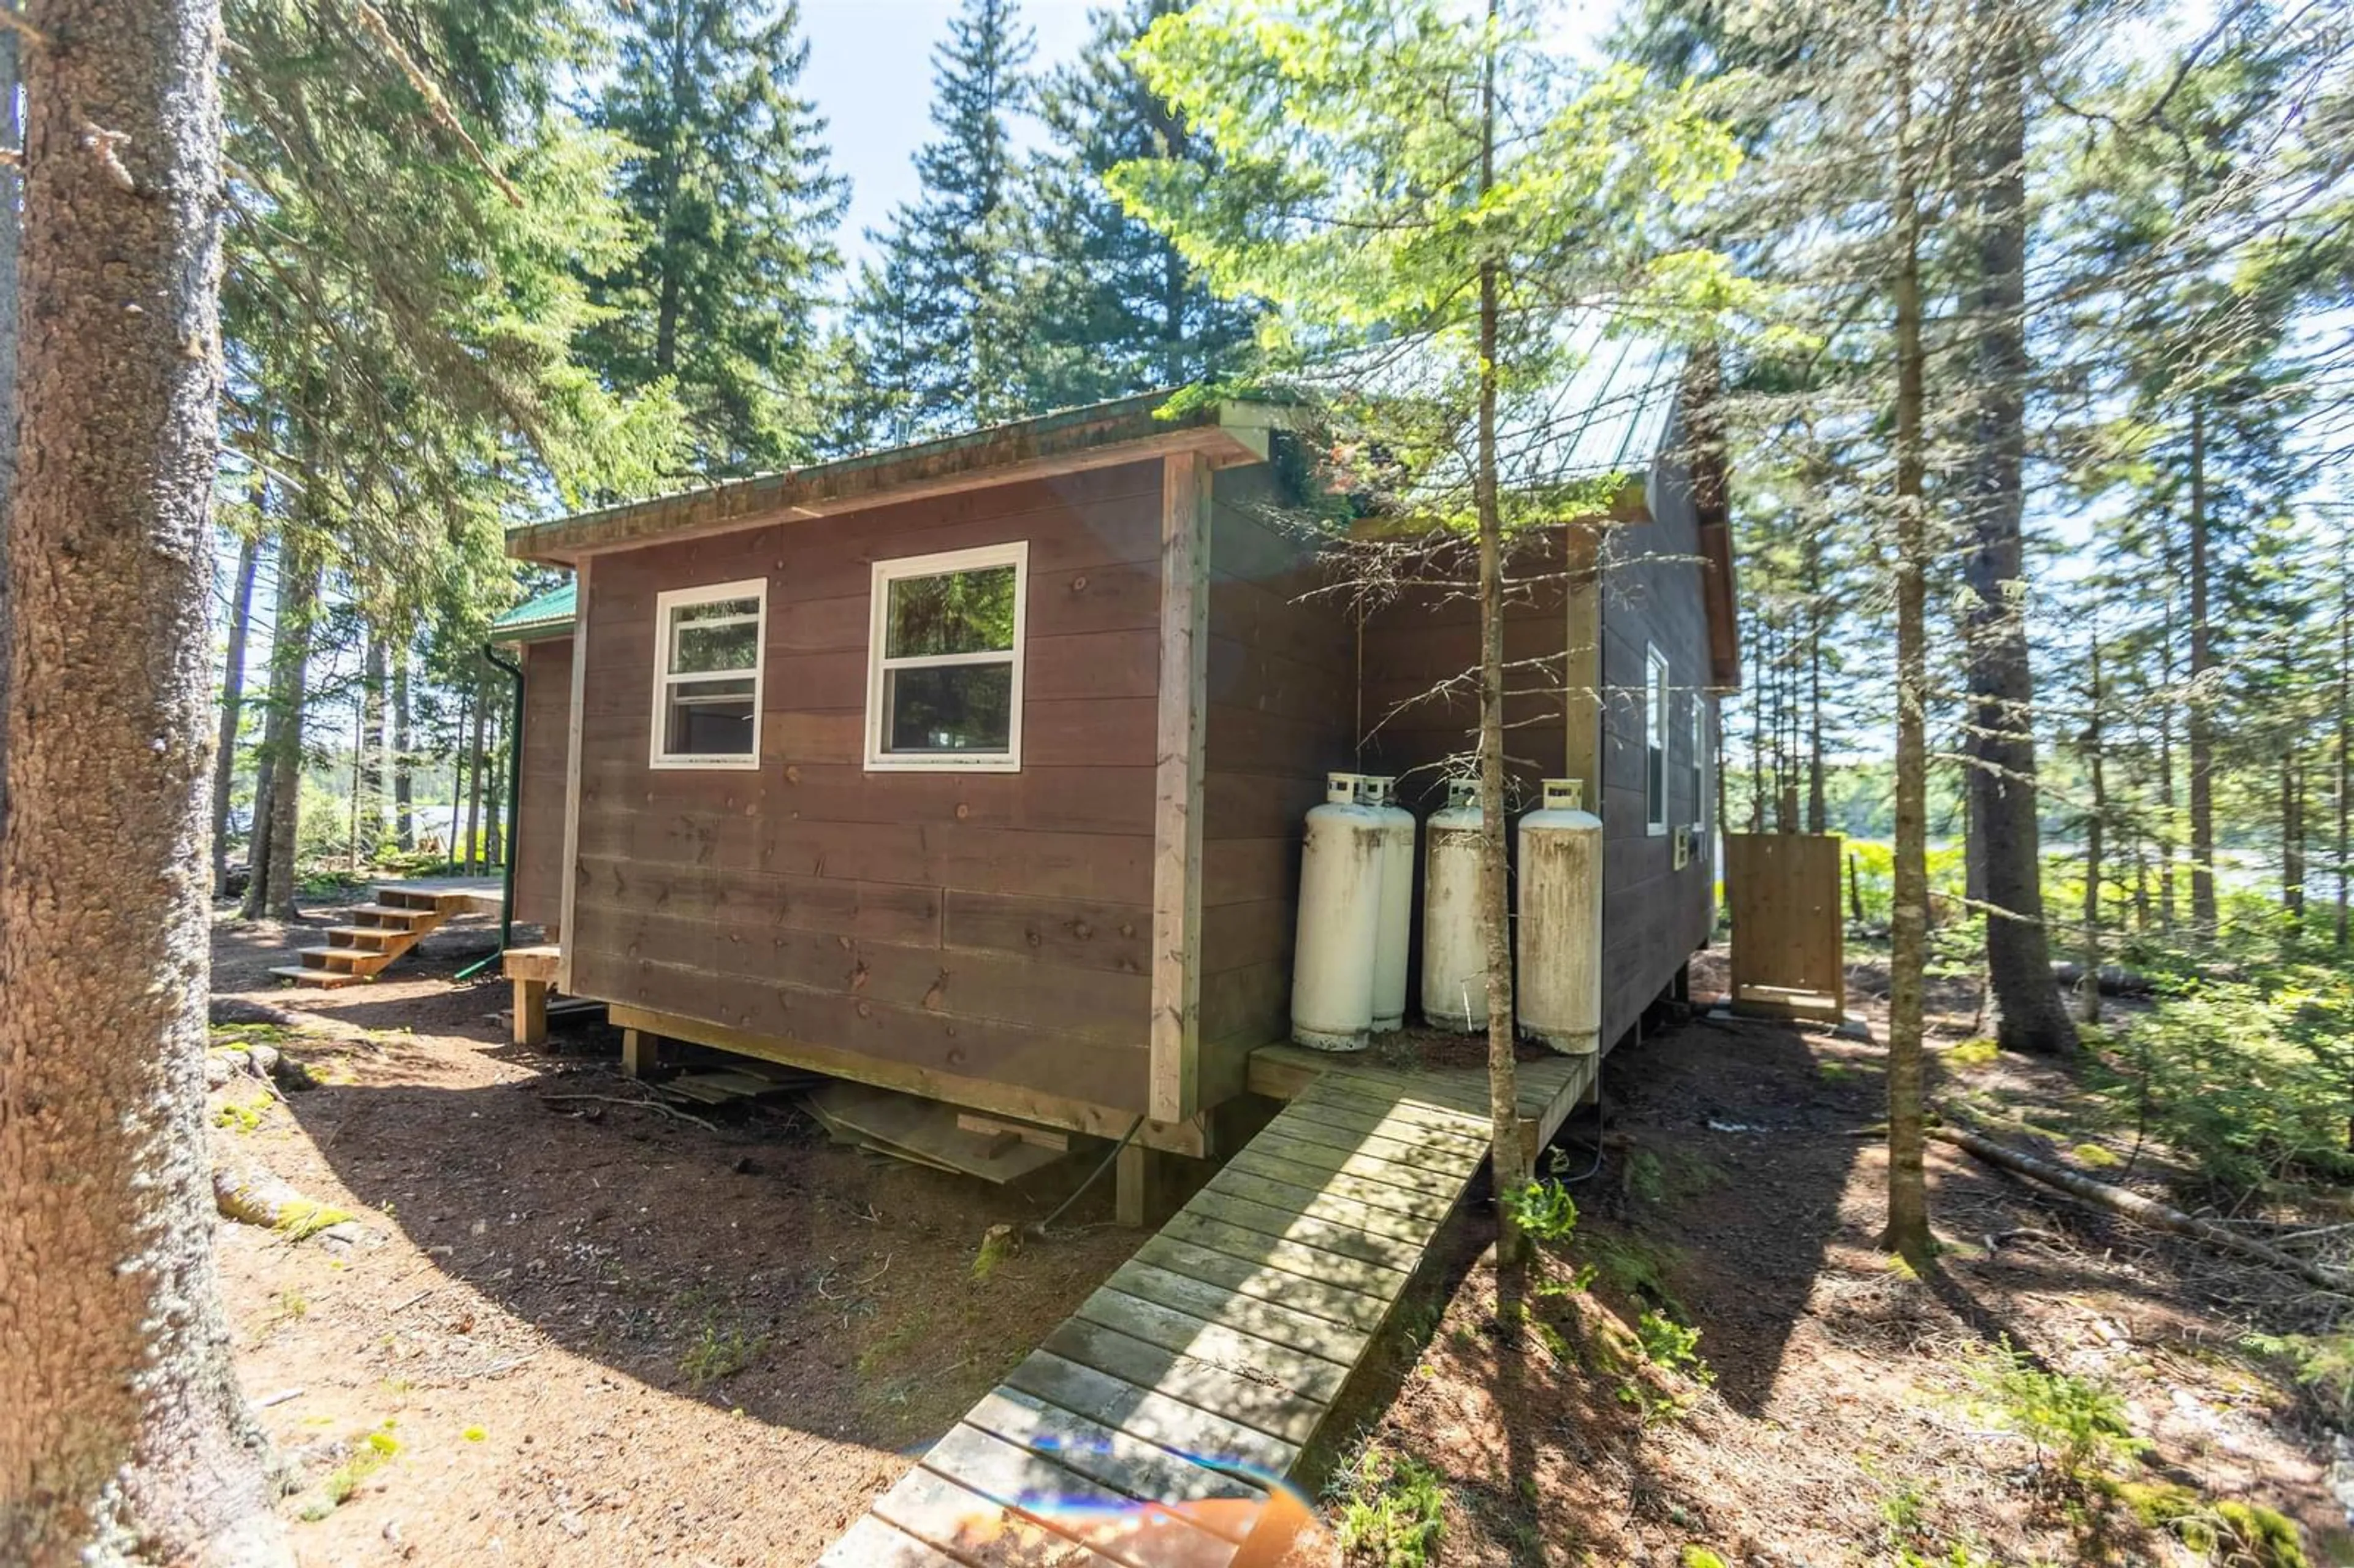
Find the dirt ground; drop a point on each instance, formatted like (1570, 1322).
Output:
(586, 1332)
(1741, 1192)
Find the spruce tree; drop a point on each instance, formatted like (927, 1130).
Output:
(938, 319)
(727, 175)
(1113, 308)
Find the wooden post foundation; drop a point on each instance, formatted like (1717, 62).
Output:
(531, 1012)
(640, 1052)
(1136, 1185)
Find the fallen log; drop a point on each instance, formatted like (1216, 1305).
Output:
(2147, 1210)
(254, 1196)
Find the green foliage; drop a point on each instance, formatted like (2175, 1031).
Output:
(1390, 1510)
(1699, 1557)
(725, 173)
(719, 1351)
(2251, 1076)
(1543, 1211)
(371, 1452)
(300, 1219)
(1672, 1346)
(2227, 1533)
(936, 332)
(1109, 308)
(2321, 1364)
(2077, 1426)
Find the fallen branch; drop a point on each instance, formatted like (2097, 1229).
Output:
(255, 1197)
(641, 1105)
(2147, 1210)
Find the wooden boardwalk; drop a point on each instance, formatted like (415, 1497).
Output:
(1156, 1426)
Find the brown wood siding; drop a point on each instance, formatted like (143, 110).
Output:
(1654, 917)
(539, 809)
(1281, 694)
(988, 926)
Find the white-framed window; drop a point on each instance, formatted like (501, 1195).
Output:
(707, 646)
(1655, 741)
(944, 660)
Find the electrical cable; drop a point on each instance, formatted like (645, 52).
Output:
(1064, 1207)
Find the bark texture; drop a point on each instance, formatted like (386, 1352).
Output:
(1908, 1196)
(2202, 659)
(2005, 842)
(274, 888)
(125, 1437)
(240, 617)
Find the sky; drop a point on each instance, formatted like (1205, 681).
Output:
(870, 73)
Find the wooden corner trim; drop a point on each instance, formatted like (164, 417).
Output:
(1176, 1026)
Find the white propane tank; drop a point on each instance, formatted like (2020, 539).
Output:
(1393, 937)
(1558, 997)
(1340, 918)
(1453, 958)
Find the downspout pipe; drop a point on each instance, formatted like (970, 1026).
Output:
(514, 815)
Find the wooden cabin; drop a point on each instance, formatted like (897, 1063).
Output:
(977, 768)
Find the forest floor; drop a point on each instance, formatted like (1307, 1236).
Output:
(1842, 1418)
(583, 1332)
(586, 1332)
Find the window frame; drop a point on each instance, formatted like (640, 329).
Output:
(1657, 728)
(669, 600)
(1015, 552)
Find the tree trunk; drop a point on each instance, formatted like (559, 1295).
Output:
(240, 617)
(2030, 1014)
(2094, 822)
(2345, 866)
(471, 858)
(1818, 803)
(1908, 1197)
(404, 810)
(1511, 1169)
(2202, 659)
(126, 1437)
(12, 139)
(2293, 839)
(2168, 826)
(290, 674)
(369, 794)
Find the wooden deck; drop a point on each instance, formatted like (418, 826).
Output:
(1156, 1427)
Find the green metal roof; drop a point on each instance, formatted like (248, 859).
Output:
(549, 615)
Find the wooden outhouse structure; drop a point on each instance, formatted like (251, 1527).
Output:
(976, 768)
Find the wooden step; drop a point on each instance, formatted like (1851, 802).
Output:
(355, 959)
(401, 912)
(373, 935)
(328, 979)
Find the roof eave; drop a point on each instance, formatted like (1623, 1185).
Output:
(1103, 436)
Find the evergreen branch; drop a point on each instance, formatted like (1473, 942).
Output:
(445, 113)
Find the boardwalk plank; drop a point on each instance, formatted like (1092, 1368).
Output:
(1156, 1323)
(1218, 1500)
(1377, 1280)
(1208, 1439)
(1252, 1276)
(979, 1529)
(1230, 1388)
(1274, 1219)
(1140, 1534)
(1221, 1304)
(1443, 1166)
(1385, 1122)
(1314, 1202)
(1342, 1176)
(871, 1543)
(1361, 1102)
